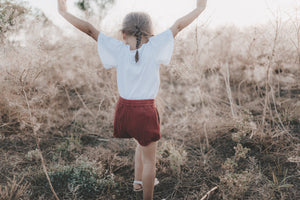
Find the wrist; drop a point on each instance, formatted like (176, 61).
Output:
(200, 9)
(201, 6)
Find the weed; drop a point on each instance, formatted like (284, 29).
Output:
(235, 182)
(82, 181)
(245, 126)
(15, 190)
(33, 155)
(72, 143)
(176, 156)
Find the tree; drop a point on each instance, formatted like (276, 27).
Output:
(11, 15)
(15, 15)
(95, 7)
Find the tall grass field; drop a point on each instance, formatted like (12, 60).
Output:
(229, 105)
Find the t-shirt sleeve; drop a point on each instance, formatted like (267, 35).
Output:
(109, 49)
(163, 45)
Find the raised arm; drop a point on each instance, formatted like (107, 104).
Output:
(183, 22)
(78, 23)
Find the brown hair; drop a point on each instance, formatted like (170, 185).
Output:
(137, 24)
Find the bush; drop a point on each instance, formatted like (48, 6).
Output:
(84, 181)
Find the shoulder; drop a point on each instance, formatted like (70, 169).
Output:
(162, 39)
(103, 38)
(167, 34)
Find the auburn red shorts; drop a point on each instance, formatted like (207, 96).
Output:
(138, 119)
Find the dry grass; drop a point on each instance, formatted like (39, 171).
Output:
(14, 190)
(229, 108)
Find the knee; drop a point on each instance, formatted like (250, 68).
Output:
(150, 162)
(149, 154)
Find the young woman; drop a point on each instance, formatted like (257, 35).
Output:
(137, 59)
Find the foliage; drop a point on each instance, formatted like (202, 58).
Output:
(33, 155)
(85, 180)
(236, 182)
(95, 7)
(11, 15)
(245, 126)
(16, 15)
(176, 156)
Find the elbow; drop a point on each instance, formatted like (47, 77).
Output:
(89, 30)
(92, 32)
(179, 26)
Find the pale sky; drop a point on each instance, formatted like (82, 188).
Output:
(165, 12)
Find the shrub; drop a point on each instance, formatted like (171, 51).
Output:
(84, 181)
(176, 156)
(235, 182)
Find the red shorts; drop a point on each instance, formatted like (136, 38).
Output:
(138, 119)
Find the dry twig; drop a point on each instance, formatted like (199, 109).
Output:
(84, 104)
(208, 193)
(37, 140)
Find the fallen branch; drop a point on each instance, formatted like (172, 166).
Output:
(208, 193)
(91, 113)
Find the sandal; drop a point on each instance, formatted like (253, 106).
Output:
(140, 183)
(156, 182)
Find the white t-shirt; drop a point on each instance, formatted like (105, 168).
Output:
(139, 80)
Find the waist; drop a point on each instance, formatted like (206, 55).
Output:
(136, 103)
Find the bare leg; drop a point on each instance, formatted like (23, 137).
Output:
(149, 162)
(138, 166)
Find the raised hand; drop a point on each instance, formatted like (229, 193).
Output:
(75, 21)
(62, 6)
(201, 3)
(189, 18)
